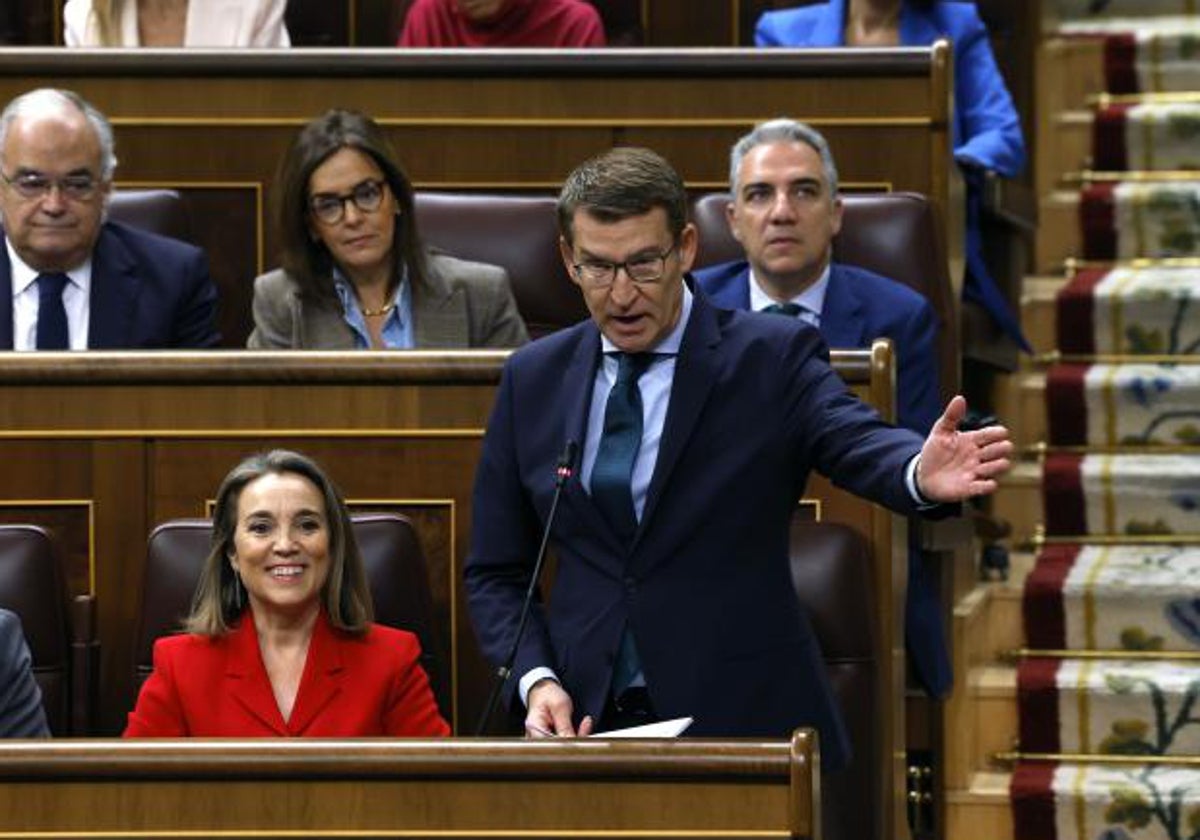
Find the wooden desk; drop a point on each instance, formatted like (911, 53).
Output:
(396, 788)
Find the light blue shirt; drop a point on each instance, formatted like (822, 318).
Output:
(655, 388)
(811, 300)
(397, 332)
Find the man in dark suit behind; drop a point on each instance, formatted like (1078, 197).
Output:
(68, 278)
(21, 712)
(697, 429)
(785, 212)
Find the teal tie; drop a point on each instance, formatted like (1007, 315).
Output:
(611, 482)
(612, 471)
(790, 309)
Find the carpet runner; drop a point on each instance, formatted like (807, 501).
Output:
(1105, 405)
(1122, 494)
(1130, 311)
(1117, 588)
(1105, 802)
(1114, 598)
(1140, 220)
(1147, 136)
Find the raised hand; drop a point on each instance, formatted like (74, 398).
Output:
(958, 465)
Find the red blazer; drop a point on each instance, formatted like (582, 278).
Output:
(218, 687)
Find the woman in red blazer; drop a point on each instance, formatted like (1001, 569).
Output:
(280, 639)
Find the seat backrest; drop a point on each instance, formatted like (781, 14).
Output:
(390, 551)
(894, 234)
(517, 232)
(832, 571)
(158, 211)
(32, 586)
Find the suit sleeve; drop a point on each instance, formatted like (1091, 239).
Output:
(196, 315)
(504, 536)
(918, 388)
(158, 713)
(496, 322)
(991, 130)
(846, 440)
(412, 709)
(21, 712)
(272, 320)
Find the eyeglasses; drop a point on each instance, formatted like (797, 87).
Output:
(35, 185)
(330, 208)
(643, 270)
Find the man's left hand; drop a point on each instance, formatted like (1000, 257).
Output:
(957, 465)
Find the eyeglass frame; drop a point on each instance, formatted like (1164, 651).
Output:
(63, 185)
(615, 268)
(379, 183)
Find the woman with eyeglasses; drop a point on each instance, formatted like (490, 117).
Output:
(355, 274)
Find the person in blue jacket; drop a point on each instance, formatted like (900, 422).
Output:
(986, 132)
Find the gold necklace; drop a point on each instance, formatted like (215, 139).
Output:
(383, 310)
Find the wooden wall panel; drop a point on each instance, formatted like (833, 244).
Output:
(103, 446)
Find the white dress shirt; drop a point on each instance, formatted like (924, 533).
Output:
(76, 297)
(811, 300)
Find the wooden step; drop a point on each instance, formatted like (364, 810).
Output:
(1068, 70)
(1019, 501)
(980, 811)
(1038, 294)
(1058, 235)
(994, 723)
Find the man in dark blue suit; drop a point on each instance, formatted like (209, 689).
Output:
(785, 212)
(697, 429)
(69, 279)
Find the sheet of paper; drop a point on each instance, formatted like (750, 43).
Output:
(662, 729)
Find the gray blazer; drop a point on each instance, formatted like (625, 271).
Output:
(465, 304)
(21, 712)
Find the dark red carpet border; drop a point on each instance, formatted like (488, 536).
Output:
(1042, 601)
(1074, 312)
(1062, 495)
(1066, 406)
(1097, 221)
(1037, 704)
(1032, 795)
(1109, 153)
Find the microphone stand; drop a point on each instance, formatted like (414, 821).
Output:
(563, 470)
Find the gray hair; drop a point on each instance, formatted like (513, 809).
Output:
(783, 131)
(47, 99)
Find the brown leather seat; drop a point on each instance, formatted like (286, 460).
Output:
(893, 234)
(518, 232)
(158, 211)
(65, 652)
(395, 570)
(832, 571)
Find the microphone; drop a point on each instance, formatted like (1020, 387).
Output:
(563, 470)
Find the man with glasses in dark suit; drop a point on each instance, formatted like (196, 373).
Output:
(69, 279)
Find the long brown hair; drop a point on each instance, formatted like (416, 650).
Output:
(346, 596)
(306, 259)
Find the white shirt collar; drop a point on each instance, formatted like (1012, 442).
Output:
(812, 298)
(23, 275)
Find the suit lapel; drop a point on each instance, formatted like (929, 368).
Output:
(246, 677)
(696, 370)
(321, 681)
(114, 294)
(842, 319)
(582, 370)
(440, 315)
(6, 301)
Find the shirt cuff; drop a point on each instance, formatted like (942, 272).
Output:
(910, 482)
(532, 677)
